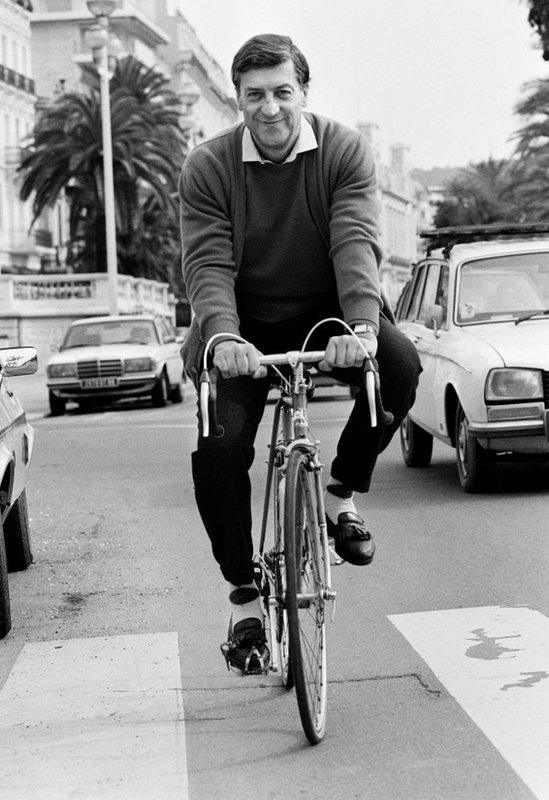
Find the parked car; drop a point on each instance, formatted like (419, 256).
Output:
(103, 359)
(16, 439)
(477, 309)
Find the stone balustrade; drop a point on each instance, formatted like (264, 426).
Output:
(37, 309)
(45, 295)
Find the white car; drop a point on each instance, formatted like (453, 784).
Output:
(477, 309)
(103, 359)
(16, 440)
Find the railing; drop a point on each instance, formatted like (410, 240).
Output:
(51, 295)
(43, 238)
(13, 78)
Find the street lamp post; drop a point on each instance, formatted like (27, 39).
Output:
(98, 39)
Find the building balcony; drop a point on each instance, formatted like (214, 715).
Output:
(128, 17)
(16, 79)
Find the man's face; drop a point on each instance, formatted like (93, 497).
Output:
(271, 100)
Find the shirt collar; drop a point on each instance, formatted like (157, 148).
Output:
(306, 140)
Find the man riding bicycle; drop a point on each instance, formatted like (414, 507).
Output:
(279, 231)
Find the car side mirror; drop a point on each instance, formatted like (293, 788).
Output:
(434, 317)
(18, 361)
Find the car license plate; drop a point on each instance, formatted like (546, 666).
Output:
(99, 383)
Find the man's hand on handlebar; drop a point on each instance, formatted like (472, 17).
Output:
(234, 358)
(345, 351)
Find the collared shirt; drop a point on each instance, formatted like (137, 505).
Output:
(306, 140)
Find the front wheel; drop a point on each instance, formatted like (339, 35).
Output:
(5, 612)
(475, 465)
(16, 535)
(305, 601)
(161, 391)
(57, 405)
(176, 393)
(415, 443)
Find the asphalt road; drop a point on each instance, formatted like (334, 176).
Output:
(120, 552)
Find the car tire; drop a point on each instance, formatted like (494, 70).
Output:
(161, 392)
(16, 535)
(415, 443)
(475, 465)
(57, 405)
(5, 612)
(176, 393)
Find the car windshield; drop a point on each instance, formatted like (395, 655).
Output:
(502, 288)
(93, 334)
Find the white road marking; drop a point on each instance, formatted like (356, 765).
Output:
(495, 662)
(94, 719)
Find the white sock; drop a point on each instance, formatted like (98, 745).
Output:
(240, 611)
(334, 506)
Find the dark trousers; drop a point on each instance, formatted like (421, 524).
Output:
(221, 464)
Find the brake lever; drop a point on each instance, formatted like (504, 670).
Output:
(375, 404)
(208, 406)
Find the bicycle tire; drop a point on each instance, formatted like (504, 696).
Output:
(280, 591)
(5, 611)
(306, 615)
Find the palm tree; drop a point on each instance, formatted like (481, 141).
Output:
(480, 194)
(532, 149)
(65, 152)
(538, 17)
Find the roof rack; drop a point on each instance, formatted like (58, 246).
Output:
(448, 237)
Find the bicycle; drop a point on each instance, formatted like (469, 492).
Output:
(293, 566)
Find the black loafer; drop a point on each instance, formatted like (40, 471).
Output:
(245, 650)
(352, 542)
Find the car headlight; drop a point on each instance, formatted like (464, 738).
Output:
(514, 384)
(139, 365)
(61, 371)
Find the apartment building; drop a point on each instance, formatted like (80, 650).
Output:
(19, 250)
(153, 31)
(399, 211)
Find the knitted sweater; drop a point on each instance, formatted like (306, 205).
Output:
(340, 185)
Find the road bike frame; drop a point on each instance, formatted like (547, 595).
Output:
(290, 430)
(293, 569)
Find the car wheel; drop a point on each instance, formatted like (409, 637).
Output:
(161, 391)
(57, 405)
(5, 612)
(415, 443)
(475, 465)
(176, 393)
(16, 535)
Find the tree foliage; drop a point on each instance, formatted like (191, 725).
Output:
(538, 17)
(513, 190)
(65, 153)
(480, 194)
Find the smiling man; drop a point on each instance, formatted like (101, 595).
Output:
(279, 231)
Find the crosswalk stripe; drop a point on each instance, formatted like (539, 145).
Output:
(495, 663)
(94, 719)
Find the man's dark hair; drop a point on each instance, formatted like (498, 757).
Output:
(269, 50)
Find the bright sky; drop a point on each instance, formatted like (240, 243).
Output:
(442, 76)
